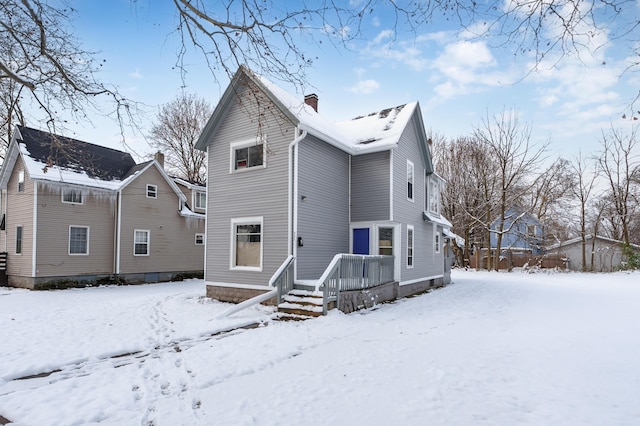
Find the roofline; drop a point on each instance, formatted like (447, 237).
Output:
(164, 174)
(10, 158)
(223, 105)
(589, 237)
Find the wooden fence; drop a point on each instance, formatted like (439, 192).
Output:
(510, 259)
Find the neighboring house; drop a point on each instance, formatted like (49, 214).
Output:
(522, 232)
(196, 194)
(290, 184)
(602, 254)
(75, 213)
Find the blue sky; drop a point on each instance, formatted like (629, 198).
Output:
(458, 80)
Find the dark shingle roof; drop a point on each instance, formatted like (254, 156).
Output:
(98, 162)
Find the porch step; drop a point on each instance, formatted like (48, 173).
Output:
(300, 305)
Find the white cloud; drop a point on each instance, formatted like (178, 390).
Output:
(364, 87)
(136, 74)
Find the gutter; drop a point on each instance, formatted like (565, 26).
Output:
(292, 219)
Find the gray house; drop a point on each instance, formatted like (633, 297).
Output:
(602, 254)
(296, 191)
(76, 213)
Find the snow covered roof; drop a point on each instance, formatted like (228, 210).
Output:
(371, 132)
(55, 158)
(589, 238)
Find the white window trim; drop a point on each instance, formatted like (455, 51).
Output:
(196, 197)
(148, 242)
(232, 255)
(155, 190)
(21, 181)
(437, 241)
(243, 144)
(69, 240)
(413, 181)
(196, 239)
(72, 202)
(413, 246)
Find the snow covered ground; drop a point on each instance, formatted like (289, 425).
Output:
(490, 349)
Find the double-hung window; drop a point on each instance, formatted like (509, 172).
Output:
(246, 250)
(434, 196)
(73, 196)
(141, 242)
(409, 246)
(436, 241)
(78, 240)
(410, 179)
(200, 200)
(247, 155)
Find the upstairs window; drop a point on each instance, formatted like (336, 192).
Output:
(152, 191)
(434, 196)
(200, 200)
(531, 231)
(410, 176)
(72, 196)
(247, 155)
(21, 181)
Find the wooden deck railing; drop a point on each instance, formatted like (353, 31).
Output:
(353, 272)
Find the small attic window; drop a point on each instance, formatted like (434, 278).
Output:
(21, 181)
(152, 191)
(72, 196)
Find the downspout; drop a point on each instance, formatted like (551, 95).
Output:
(292, 219)
(35, 228)
(118, 231)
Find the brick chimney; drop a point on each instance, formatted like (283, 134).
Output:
(312, 101)
(159, 157)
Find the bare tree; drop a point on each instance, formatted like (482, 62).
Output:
(509, 144)
(582, 188)
(175, 133)
(42, 65)
(619, 162)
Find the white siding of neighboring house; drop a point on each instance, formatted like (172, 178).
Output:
(20, 212)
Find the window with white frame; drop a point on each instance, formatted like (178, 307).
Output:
(78, 240)
(246, 250)
(73, 196)
(434, 196)
(152, 191)
(410, 179)
(141, 242)
(199, 239)
(19, 240)
(200, 200)
(21, 181)
(385, 241)
(409, 246)
(436, 241)
(531, 231)
(246, 155)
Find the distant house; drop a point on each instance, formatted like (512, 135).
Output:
(293, 189)
(76, 213)
(602, 254)
(522, 232)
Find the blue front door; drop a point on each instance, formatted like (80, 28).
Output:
(361, 241)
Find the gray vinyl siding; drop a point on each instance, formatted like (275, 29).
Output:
(427, 263)
(370, 188)
(323, 216)
(172, 237)
(97, 212)
(20, 213)
(248, 193)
